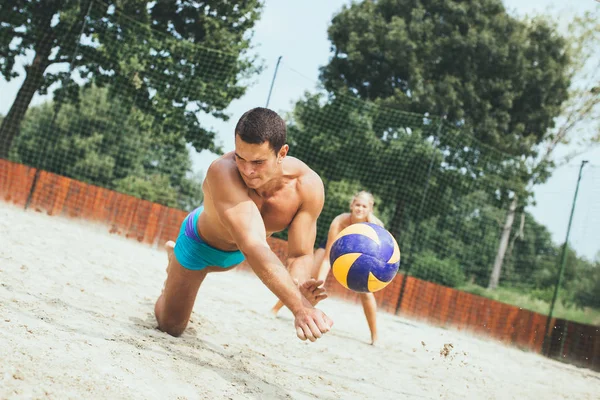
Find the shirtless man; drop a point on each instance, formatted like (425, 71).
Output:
(249, 194)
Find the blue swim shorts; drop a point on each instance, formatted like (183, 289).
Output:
(194, 253)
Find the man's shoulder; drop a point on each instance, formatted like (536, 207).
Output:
(307, 177)
(222, 168)
(223, 177)
(309, 184)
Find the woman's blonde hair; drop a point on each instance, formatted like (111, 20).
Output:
(366, 194)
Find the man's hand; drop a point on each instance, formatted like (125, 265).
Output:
(311, 324)
(313, 291)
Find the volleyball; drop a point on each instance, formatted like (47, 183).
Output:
(364, 257)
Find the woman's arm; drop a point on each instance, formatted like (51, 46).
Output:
(334, 230)
(374, 220)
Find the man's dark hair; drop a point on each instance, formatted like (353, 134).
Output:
(260, 125)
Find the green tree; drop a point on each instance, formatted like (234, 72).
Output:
(102, 141)
(579, 282)
(579, 121)
(343, 139)
(586, 288)
(502, 79)
(532, 257)
(466, 232)
(428, 266)
(154, 54)
(429, 178)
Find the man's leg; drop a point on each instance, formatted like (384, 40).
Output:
(174, 306)
(370, 307)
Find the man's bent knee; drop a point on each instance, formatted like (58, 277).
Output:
(168, 325)
(172, 329)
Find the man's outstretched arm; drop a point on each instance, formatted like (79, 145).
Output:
(301, 239)
(242, 218)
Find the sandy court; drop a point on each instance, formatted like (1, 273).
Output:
(76, 321)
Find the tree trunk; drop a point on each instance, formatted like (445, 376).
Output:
(519, 235)
(11, 124)
(510, 219)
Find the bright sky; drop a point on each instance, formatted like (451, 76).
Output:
(297, 31)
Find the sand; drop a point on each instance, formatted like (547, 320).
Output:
(76, 321)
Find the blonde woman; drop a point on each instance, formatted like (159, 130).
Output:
(361, 210)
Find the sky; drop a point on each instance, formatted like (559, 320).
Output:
(297, 31)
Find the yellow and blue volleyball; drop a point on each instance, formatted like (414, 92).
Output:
(364, 257)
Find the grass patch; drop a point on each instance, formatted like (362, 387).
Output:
(518, 298)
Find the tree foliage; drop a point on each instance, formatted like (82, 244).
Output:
(172, 59)
(501, 78)
(442, 185)
(107, 143)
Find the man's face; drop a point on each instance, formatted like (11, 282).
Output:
(257, 163)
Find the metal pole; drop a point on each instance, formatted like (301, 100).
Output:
(547, 336)
(273, 81)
